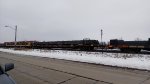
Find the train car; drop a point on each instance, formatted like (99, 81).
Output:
(9, 44)
(19, 44)
(2, 45)
(130, 46)
(75, 44)
(147, 46)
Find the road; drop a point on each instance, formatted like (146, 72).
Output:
(38, 70)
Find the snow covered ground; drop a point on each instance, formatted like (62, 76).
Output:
(137, 61)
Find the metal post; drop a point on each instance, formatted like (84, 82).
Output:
(101, 35)
(101, 39)
(15, 35)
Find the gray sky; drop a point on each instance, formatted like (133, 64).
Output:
(48, 20)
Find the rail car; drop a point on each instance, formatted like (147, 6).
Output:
(75, 44)
(130, 46)
(2, 45)
(19, 44)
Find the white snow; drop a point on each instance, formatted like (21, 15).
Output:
(137, 61)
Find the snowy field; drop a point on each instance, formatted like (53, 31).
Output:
(137, 61)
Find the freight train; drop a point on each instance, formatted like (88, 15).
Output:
(74, 44)
(130, 46)
(86, 44)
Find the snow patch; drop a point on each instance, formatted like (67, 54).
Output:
(137, 61)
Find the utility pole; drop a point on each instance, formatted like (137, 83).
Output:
(101, 35)
(15, 33)
(101, 39)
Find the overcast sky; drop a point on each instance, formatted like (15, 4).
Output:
(49, 20)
